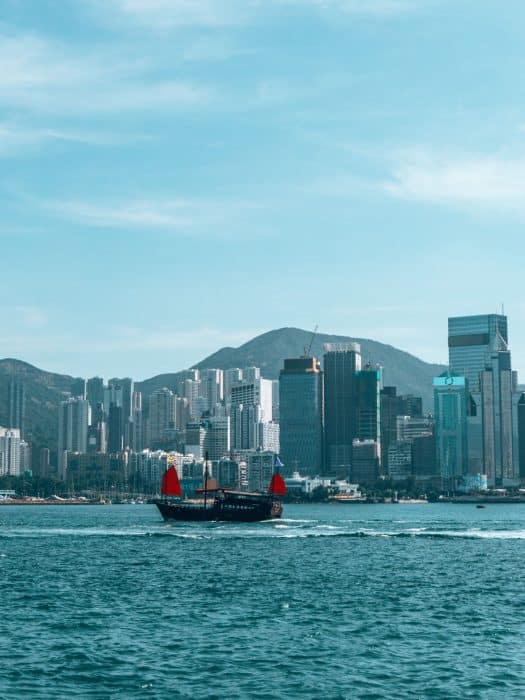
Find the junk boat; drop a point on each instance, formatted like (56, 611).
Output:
(220, 504)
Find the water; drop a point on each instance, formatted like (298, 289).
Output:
(334, 601)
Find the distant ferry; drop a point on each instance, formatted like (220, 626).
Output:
(219, 504)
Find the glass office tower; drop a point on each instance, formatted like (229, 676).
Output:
(450, 410)
(342, 362)
(301, 416)
(478, 350)
(471, 340)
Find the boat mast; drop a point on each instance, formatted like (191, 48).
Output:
(205, 479)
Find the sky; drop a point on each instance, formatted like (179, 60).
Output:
(181, 175)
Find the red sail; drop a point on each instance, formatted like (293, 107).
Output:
(277, 485)
(170, 483)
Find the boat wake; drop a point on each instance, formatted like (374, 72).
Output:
(284, 529)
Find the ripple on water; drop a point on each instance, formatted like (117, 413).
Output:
(328, 602)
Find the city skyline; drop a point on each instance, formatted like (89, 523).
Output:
(183, 176)
(119, 373)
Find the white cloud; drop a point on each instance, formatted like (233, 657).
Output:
(43, 76)
(192, 217)
(377, 8)
(167, 14)
(162, 15)
(15, 138)
(480, 180)
(201, 340)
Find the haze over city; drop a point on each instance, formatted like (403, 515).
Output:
(180, 176)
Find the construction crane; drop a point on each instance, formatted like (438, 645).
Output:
(307, 349)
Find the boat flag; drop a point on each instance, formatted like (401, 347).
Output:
(170, 483)
(278, 464)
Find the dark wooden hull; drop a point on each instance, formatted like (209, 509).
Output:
(244, 511)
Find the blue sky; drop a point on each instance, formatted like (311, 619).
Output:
(179, 175)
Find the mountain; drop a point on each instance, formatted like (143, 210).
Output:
(45, 390)
(410, 374)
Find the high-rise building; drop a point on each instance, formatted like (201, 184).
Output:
(182, 412)
(44, 469)
(251, 374)
(211, 388)
(392, 406)
(301, 416)
(231, 376)
(226, 472)
(342, 362)
(365, 461)
(369, 382)
(352, 400)
(257, 392)
(245, 420)
(521, 436)
(161, 415)
(26, 457)
(471, 340)
(137, 423)
(217, 438)
(451, 401)
(410, 427)
(424, 464)
(95, 392)
(79, 388)
(400, 460)
(497, 388)
(195, 441)
(193, 374)
(259, 470)
(73, 422)
(16, 400)
(120, 392)
(251, 404)
(115, 429)
(10, 451)
(269, 436)
(192, 393)
(97, 438)
(478, 350)
(275, 400)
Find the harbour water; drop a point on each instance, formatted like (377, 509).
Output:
(333, 601)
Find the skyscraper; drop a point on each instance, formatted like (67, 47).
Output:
(478, 350)
(251, 404)
(161, 415)
(211, 388)
(95, 391)
(115, 431)
(73, 422)
(301, 416)
(16, 405)
(10, 451)
(137, 426)
(471, 340)
(392, 406)
(120, 393)
(369, 382)
(341, 364)
(231, 376)
(451, 399)
(521, 436)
